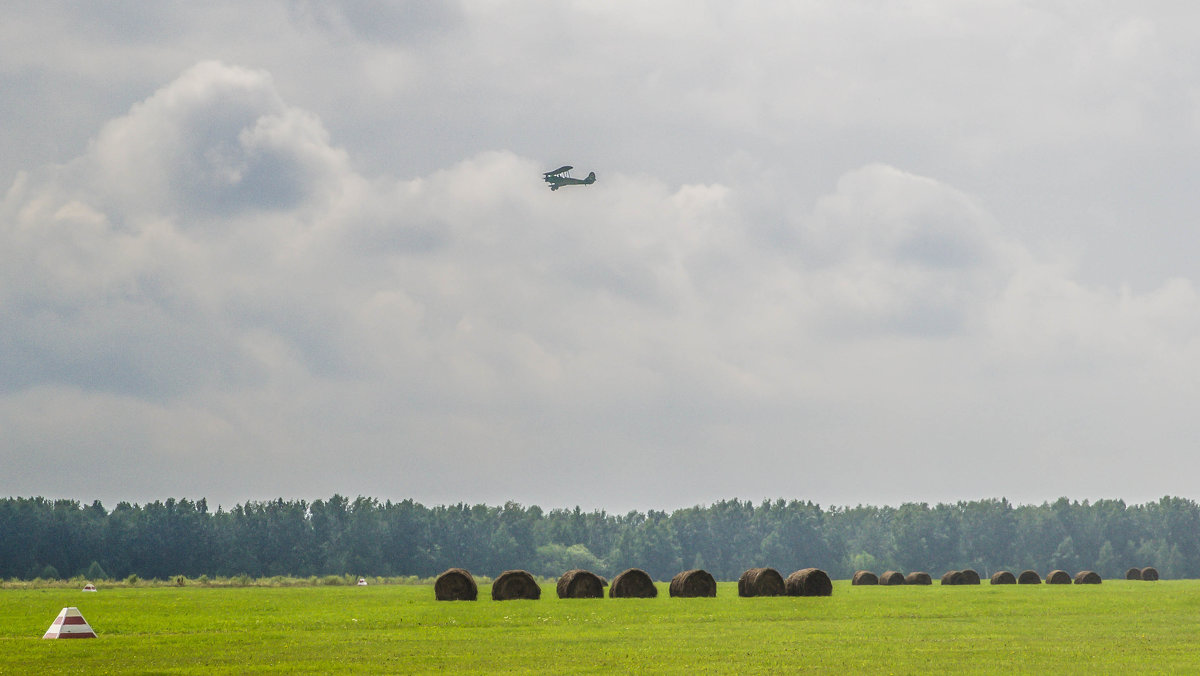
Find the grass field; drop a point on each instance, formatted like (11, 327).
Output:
(1116, 627)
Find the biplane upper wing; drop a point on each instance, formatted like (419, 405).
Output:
(561, 170)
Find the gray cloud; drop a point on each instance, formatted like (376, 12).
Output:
(333, 268)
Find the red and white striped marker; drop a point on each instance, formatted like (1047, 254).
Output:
(70, 624)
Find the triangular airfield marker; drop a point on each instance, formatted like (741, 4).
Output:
(70, 624)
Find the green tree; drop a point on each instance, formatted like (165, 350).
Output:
(554, 559)
(1106, 562)
(95, 572)
(1065, 556)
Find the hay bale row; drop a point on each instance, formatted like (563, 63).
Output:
(1003, 577)
(634, 583)
(761, 582)
(864, 577)
(693, 583)
(457, 584)
(580, 584)
(809, 582)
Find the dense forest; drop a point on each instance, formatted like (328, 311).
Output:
(62, 538)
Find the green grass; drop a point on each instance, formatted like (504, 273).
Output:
(1116, 627)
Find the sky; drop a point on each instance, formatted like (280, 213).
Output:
(855, 253)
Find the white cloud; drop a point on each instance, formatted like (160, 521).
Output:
(813, 263)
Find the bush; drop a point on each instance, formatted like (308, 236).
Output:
(132, 580)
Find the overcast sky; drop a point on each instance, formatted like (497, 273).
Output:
(848, 252)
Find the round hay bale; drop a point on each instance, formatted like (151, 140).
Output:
(918, 577)
(1003, 577)
(1150, 574)
(891, 578)
(634, 583)
(1087, 577)
(809, 582)
(761, 582)
(456, 584)
(1029, 577)
(970, 576)
(580, 584)
(515, 584)
(953, 577)
(1058, 577)
(1133, 574)
(693, 583)
(864, 577)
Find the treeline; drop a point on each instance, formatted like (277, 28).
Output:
(63, 538)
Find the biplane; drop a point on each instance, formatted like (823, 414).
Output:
(562, 176)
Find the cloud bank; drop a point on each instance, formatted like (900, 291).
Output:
(214, 298)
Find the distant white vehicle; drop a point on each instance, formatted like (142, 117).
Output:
(362, 581)
(89, 587)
